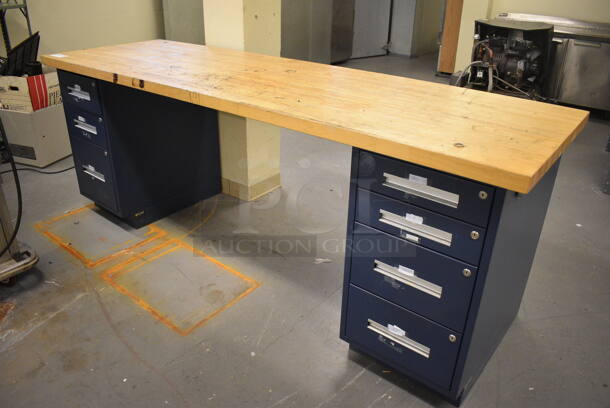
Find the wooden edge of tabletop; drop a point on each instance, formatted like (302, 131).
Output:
(496, 176)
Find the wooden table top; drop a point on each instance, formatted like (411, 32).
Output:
(500, 140)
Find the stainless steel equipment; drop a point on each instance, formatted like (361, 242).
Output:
(580, 69)
(317, 30)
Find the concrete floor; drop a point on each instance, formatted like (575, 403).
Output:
(87, 336)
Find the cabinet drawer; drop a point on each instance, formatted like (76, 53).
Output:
(400, 337)
(430, 284)
(85, 125)
(443, 234)
(456, 197)
(80, 91)
(94, 173)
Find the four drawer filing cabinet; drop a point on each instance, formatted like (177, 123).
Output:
(435, 268)
(138, 155)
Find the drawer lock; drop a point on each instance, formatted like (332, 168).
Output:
(474, 235)
(452, 338)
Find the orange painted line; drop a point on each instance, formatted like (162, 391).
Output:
(118, 270)
(116, 273)
(66, 214)
(140, 302)
(220, 310)
(205, 220)
(154, 232)
(217, 262)
(141, 256)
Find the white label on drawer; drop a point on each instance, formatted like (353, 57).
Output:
(396, 330)
(414, 218)
(410, 237)
(406, 271)
(59, 55)
(418, 179)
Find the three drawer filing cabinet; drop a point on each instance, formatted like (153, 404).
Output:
(138, 155)
(435, 268)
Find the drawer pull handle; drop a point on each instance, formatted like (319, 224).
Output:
(85, 126)
(424, 231)
(413, 281)
(90, 170)
(421, 190)
(401, 339)
(78, 93)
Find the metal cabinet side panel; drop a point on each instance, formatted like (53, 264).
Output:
(510, 246)
(585, 76)
(351, 216)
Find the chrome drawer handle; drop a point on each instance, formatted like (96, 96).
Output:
(85, 126)
(424, 231)
(413, 281)
(90, 170)
(397, 335)
(421, 190)
(78, 93)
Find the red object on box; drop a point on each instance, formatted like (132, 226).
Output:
(38, 91)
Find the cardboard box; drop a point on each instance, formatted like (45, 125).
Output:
(37, 138)
(29, 94)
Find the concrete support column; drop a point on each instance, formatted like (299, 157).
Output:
(249, 149)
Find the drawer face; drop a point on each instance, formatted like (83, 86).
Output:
(438, 232)
(94, 173)
(456, 197)
(430, 284)
(86, 126)
(402, 338)
(80, 91)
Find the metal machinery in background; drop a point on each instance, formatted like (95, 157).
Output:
(511, 57)
(580, 60)
(15, 257)
(6, 5)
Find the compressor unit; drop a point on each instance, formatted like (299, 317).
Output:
(510, 57)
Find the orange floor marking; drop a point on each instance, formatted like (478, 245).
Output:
(131, 264)
(153, 232)
(136, 260)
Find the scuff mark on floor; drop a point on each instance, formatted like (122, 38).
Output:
(5, 309)
(265, 327)
(286, 398)
(11, 337)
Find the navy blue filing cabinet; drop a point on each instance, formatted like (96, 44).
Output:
(435, 269)
(139, 155)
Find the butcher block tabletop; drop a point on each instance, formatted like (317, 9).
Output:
(500, 140)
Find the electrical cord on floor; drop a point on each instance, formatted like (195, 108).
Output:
(11, 160)
(38, 171)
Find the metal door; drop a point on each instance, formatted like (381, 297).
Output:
(371, 27)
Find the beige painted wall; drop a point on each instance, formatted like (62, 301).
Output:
(76, 24)
(263, 26)
(184, 21)
(471, 11)
(223, 21)
(249, 150)
(592, 10)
